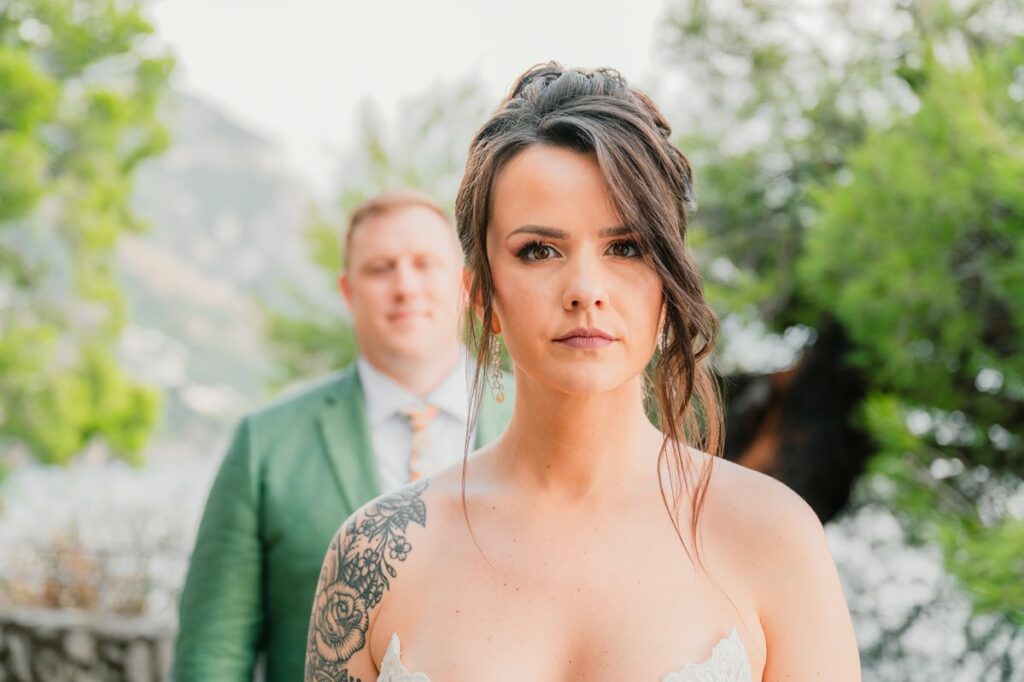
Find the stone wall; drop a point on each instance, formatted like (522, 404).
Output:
(77, 646)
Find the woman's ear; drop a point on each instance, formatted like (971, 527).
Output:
(477, 303)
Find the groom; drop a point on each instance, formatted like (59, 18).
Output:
(301, 466)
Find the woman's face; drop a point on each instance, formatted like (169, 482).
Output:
(578, 305)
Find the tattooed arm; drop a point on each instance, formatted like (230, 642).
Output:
(357, 571)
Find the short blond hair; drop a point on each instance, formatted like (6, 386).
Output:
(384, 203)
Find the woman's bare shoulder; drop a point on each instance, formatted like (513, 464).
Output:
(773, 531)
(363, 559)
(780, 544)
(386, 528)
(414, 508)
(764, 520)
(755, 500)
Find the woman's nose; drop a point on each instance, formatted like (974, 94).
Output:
(584, 289)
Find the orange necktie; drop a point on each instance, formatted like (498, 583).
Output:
(420, 419)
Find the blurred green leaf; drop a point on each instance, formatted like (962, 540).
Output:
(79, 87)
(880, 187)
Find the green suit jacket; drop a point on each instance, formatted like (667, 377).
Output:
(293, 473)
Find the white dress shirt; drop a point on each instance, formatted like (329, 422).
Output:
(391, 433)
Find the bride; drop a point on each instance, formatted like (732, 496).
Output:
(585, 544)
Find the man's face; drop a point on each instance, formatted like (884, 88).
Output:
(403, 286)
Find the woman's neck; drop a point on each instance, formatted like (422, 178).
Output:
(575, 446)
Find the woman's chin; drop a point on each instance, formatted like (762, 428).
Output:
(585, 384)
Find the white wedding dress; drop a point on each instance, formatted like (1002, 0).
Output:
(727, 663)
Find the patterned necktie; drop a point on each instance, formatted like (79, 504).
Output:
(420, 419)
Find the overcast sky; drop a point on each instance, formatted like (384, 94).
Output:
(297, 71)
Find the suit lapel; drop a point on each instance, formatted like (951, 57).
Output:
(347, 444)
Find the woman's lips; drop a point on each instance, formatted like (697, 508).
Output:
(585, 337)
(585, 341)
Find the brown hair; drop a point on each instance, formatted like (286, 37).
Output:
(383, 203)
(651, 185)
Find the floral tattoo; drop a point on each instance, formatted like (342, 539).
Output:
(356, 572)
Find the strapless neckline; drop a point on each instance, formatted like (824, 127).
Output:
(727, 663)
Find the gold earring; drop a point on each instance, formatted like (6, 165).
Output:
(496, 380)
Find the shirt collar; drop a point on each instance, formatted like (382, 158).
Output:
(385, 397)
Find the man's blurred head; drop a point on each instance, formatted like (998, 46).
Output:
(403, 281)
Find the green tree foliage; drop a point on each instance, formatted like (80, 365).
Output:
(864, 169)
(423, 148)
(79, 86)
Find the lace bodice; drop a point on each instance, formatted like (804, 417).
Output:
(727, 663)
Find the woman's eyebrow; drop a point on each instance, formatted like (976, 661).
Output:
(555, 233)
(619, 231)
(549, 232)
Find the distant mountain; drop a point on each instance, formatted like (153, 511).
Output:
(226, 232)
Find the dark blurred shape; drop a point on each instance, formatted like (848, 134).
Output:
(796, 424)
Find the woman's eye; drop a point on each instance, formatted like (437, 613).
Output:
(535, 251)
(625, 249)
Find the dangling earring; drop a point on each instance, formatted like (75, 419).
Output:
(496, 380)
